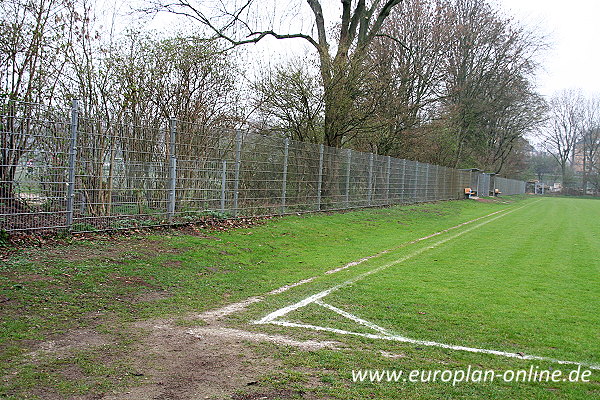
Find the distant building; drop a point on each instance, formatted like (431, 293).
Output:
(579, 156)
(586, 154)
(586, 162)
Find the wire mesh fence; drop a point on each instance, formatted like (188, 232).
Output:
(62, 169)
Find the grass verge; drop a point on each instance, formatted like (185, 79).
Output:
(53, 298)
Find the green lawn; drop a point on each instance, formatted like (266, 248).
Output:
(525, 282)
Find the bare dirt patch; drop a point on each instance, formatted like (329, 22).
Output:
(132, 281)
(62, 345)
(207, 362)
(177, 365)
(120, 249)
(214, 316)
(172, 264)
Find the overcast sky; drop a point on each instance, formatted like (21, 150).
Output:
(572, 27)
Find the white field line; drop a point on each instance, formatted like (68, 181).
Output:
(237, 334)
(240, 306)
(229, 309)
(318, 296)
(291, 285)
(354, 318)
(355, 263)
(398, 338)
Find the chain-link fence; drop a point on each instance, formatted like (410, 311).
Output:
(62, 169)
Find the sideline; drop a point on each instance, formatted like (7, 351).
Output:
(318, 296)
(242, 305)
(384, 334)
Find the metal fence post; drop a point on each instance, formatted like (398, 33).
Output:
(236, 182)
(285, 170)
(223, 185)
(348, 178)
(172, 169)
(436, 187)
(387, 179)
(320, 177)
(440, 187)
(370, 181)
(72, 161)
(447, 183)
(415, 194)
(427, 182)
(403, 177)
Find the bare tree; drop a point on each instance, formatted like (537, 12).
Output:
(564, 128)
(489, 64)
(456, 78)
(341, 54)
(589, 145)
(289, 99)
(32, 38)
(407, 60)
(513, 111)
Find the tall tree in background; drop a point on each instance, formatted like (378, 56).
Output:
(341, 54)
(489, 97)
(407, 59)
(589, 145)
(444, 81)
(457, 77)
(564, 129)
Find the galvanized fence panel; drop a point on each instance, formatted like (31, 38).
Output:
(35, 151)
(261, 175)
(121, 175)
(203, 172)
(509, 186)
(67, 170)
(335, 179)
(302, 176)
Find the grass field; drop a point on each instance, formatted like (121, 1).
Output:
(448, 285)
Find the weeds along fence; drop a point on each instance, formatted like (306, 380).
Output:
(64, 170)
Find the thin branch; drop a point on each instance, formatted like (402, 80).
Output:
(383, 14)
(398, 41)
(252, 37)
